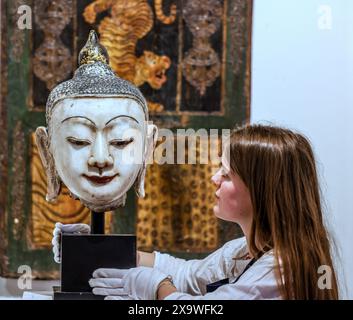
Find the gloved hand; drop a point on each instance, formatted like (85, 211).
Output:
(139, 283)
(78, 228)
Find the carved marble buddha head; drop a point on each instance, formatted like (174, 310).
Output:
(98, 137)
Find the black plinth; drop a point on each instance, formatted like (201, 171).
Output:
(82, 254)
(59, 295)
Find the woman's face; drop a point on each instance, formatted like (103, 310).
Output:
(233, 201)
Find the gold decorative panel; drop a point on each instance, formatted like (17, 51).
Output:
(177, 211)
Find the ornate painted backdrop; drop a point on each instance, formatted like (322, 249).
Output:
(190, 58)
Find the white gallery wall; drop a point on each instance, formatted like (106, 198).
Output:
(302, 78)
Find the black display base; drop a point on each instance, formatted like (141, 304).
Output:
(59, 295)
(81, 255)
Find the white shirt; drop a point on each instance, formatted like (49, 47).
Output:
(191, 277)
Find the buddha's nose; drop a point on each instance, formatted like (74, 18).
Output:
(100, 156)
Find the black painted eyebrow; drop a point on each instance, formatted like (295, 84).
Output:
(80, 117)
(121, 117)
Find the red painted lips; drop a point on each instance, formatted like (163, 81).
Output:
(100, 179)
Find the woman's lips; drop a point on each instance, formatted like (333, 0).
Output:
(100, 179)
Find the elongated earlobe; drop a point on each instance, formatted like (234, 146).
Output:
(151, 140)
(53, 181)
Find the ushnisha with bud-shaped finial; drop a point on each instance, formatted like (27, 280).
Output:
(94, 78)
(93, 51)
(98, 137)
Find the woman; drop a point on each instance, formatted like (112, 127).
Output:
(268, 185)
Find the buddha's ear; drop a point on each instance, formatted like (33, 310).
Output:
(53, 181)
(151, 140)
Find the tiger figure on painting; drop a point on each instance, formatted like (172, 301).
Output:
(129, 21)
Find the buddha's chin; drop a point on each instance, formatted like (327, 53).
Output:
(100, 194)
(102, 206)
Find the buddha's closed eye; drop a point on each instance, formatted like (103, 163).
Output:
(119, 143)
(78, 142)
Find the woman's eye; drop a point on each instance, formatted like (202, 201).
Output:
(78, 142)
(121, 143)
(224, 174)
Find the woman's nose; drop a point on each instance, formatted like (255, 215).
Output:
(216, 178)
(100, 156)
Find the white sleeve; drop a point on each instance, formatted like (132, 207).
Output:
(192, 276)
(259, 282)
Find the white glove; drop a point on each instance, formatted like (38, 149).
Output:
(139, 283)
(78, 228)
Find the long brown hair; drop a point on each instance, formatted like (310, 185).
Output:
(278, 167)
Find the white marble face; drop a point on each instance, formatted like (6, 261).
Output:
(98, 147)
